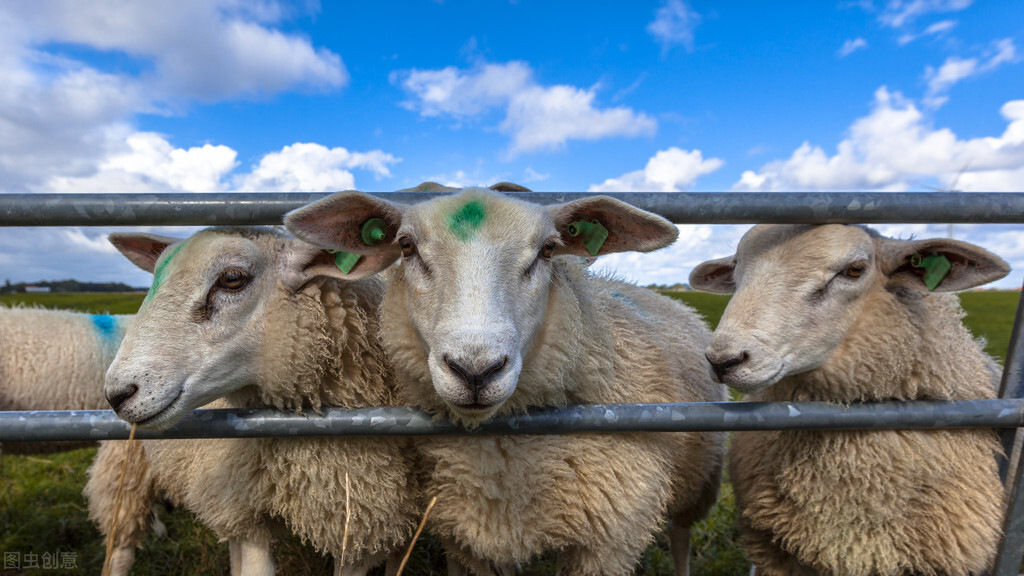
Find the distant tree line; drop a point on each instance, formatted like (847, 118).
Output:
(70, 286)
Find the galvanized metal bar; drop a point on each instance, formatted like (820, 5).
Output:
(405, 421)
(1011, 543)
(1012, 384)
(680, 207)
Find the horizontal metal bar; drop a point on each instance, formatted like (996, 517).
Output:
(406, 421)
(219, 209)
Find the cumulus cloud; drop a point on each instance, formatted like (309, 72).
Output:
(851, 46)
(899, 13)
(313, 168)
(673, 24)
(149, 163)
(536, 117)
(895, 148)
(955, 70)
(671, 170)
(61, 116)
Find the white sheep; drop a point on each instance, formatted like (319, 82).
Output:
(55, 360)
(262, 320)
(486, 318)
(841, 314)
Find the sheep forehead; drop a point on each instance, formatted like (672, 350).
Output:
(477, 215)
(800, 252)
(197, 260)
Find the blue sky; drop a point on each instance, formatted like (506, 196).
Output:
(221, 95)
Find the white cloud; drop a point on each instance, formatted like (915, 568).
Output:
(851, 46)
(197, 48)
(452, 92)
(895, 148)
(149, 163)
(671, 170)
(673, 24)
(545, 118)
(937, 29)
(61, 117)
(312, 168)
(536, 117)
(955, 70)
(899, 13)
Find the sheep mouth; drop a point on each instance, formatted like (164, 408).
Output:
(165, 417)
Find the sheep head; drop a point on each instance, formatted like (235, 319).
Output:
(200, 333)
(476, 273)
(798, 289)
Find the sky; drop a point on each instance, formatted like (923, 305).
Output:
(671, 95)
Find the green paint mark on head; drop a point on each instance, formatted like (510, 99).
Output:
(161, 271)
(464, 223)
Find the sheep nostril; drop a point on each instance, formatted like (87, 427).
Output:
(721, 367)
(118, 398)
(472, 379)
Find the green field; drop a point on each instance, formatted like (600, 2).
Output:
(42, 508)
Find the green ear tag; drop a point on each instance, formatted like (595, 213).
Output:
(345, 261)
(373, 232)
(592, 234)
(936, 268)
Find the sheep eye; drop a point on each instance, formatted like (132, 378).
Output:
(408, 247)
(547, 250)
(233, 280)
(855, 270)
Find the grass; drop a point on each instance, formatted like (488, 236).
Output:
(42, 508)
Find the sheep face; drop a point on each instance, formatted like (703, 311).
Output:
(798, 289)
(476, 276)
(200, 333)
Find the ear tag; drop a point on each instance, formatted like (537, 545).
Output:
(345, 261)
(592, 234)
(373, 232)
(936, 268)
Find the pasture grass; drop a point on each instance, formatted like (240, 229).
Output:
(42, 508)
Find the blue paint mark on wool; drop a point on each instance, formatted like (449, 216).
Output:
(106, 326)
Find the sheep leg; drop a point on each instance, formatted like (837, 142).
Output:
(679, 543)
(121, 560)
(361, 569)
(235, 556)
(251, 557)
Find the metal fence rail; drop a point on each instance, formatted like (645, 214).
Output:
(681, 208)
(58, 425)
(223, 209)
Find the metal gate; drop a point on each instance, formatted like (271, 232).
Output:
(223, 209)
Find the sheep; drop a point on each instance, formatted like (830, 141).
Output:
(841, 314)
(55, 360)
(258, 319)
(491, 313)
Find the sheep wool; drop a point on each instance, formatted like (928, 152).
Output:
(845, 315)
(319, 347)
(55, 360)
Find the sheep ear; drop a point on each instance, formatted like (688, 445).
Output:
(142, 249)
(939, 265)
(351, 223)
(601, 225)
(715, 276)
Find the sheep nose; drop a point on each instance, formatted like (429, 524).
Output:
(476, 379)
(118, 397)
(722, 363)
